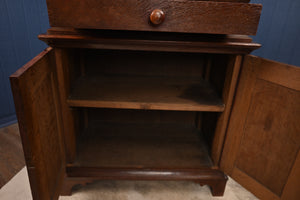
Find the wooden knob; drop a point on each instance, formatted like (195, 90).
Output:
(157, 16)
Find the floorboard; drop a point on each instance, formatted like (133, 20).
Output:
(11, 153)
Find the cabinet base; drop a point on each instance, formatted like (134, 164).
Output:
(81, 176)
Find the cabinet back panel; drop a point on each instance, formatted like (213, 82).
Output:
(141, 116)
(112, 62)
(208, 126)
(219, 65)
(141, 138)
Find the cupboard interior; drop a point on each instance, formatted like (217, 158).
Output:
(139, 109)
(141, 139)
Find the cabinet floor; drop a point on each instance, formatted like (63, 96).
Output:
(142, 145)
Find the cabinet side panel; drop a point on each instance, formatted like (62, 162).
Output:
(230, 82)
(64, 68)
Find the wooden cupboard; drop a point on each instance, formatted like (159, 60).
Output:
(151, 97)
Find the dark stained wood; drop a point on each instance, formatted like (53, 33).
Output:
(72, 38)
(65, 65)
(182, 118)
(137, 92)
(181, 16)
(11, 153)
(232, 74)
(291, 189)
(214, 178)
(272, 168)
(140, 149)
(37, 105)
(103, 62)
(146, 174)
(144, 35)
(142, 145)
(258, 189)
(208, 67)
(123, 94)
(263, 134)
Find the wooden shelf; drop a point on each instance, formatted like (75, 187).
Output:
(150, 93)
(142, 145)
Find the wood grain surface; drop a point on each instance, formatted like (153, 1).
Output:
(138, 92)
(84, 175)
(180, 16)
(263, 138)
(37, 105)
(148, 41)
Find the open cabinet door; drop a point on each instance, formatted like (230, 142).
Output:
(261, 149)
(36, 100)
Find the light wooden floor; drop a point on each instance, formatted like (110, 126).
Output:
(11, 153)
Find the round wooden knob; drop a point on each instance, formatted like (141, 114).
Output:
(157, 16)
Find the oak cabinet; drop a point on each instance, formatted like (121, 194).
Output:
(131, 100)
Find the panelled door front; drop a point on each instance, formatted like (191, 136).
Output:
(262, 143)
(36, 99)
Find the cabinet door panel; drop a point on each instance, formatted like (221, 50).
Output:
(263, 136)
(36, 99)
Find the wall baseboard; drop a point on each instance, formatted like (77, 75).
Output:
(8, 120)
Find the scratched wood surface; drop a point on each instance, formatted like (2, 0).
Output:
(180, 16)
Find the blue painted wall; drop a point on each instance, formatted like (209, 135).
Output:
(22, 20)
(279, 31)
(20, 23)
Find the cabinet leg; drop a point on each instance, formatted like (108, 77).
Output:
(67, 190)
(217, 187)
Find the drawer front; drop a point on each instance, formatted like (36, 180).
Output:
(167, 15)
